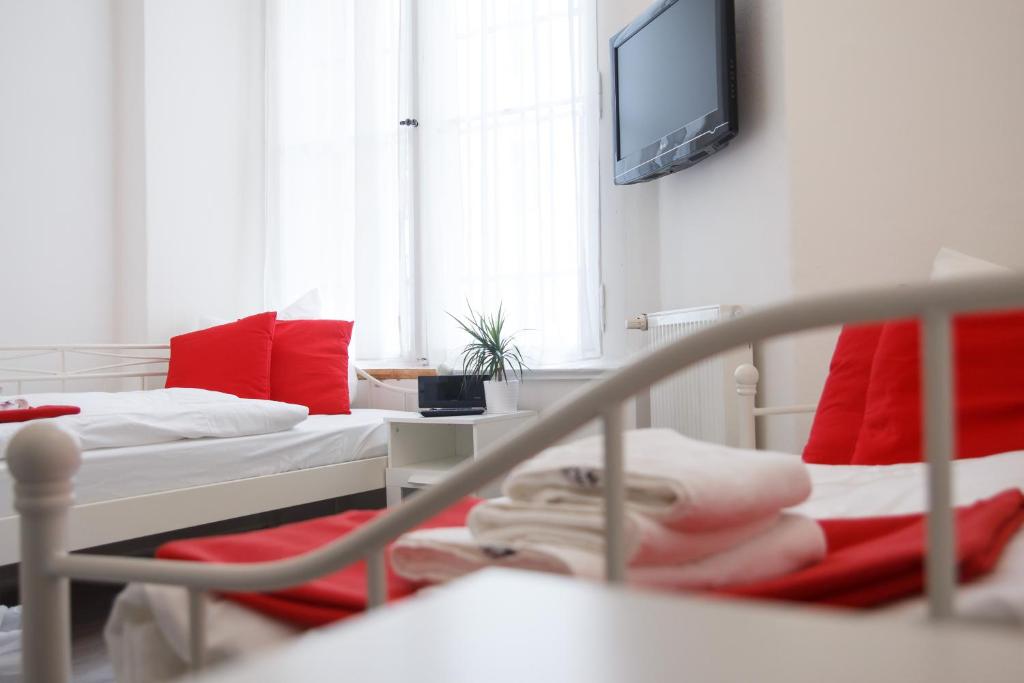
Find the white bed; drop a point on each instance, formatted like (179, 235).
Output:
(132, 491)
(112, 473)
(147, 632)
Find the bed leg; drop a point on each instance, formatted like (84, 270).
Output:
(42, 459)
(196, 630)
(376, 579)
(614, 496)
(939, 438)
(747, 378)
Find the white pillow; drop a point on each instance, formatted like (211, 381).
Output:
(306, 307)
(950, 264)
(353, 378)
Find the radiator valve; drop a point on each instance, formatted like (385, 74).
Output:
(637, 322)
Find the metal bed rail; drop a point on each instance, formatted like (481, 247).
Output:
(43, 460)
(119, 358)
(108, 361)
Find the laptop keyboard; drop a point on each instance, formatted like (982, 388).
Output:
(451, 412)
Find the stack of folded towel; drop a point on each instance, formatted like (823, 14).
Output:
(698, 515)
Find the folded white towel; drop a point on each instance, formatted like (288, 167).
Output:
(445, 553)
(685, 484)
(792, 543)
(439, 555)
(504, 521)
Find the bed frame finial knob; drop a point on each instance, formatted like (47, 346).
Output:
(43, 452)
(42, 459)
(747, 378)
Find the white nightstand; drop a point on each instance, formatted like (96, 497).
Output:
(421, 450)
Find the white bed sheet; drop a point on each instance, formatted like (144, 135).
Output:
(147, 630)
(112, 473)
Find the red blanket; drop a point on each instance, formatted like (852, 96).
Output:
(870, 561)
(37, 413)
(321, 601)
(875, 560)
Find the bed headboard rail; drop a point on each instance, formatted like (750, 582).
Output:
(747, 377)
(45, 366)
(61, 363)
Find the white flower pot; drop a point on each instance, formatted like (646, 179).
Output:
(502, 397)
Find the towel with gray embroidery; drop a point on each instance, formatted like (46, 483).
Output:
(507, 522)
(437, 555)
(684, 484)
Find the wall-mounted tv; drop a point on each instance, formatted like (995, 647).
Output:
(673, 88)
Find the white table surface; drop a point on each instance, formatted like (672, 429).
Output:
(503, 625)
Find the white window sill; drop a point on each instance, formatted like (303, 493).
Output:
(583, 370)
(573, 371)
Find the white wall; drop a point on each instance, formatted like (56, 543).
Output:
(629, 214)
(131, 167)
(56, 172)
(129, 143)
(204, 161)
(905, 136)
(724, 224)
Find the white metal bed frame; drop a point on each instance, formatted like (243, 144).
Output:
(101, 522)
(120, 356)
(43, 459)
(124, 355)
(747, 377)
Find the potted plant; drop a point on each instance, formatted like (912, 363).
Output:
(493, 354)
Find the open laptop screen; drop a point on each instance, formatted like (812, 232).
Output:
(452, 391)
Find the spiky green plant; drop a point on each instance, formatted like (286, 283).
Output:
(490, 352)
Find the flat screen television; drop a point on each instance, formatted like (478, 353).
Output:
(673, 88)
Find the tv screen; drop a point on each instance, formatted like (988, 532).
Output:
(673, 88)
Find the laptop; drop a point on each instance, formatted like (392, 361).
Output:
(452, 395)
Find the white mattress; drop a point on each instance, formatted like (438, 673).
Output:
(112, 473)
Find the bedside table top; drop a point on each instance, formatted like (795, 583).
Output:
(462, 419)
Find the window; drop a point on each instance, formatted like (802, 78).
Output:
(491, 199)
(332, 163)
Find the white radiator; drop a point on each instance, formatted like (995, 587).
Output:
(700, 402)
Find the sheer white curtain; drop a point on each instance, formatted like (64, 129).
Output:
(508, 108)
(332, 164)
(493, 199)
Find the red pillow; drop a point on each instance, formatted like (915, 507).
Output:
(989, 390)
(310, 365)
(841, 408)
(233, 358)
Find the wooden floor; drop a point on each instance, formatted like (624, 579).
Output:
(90, 608)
